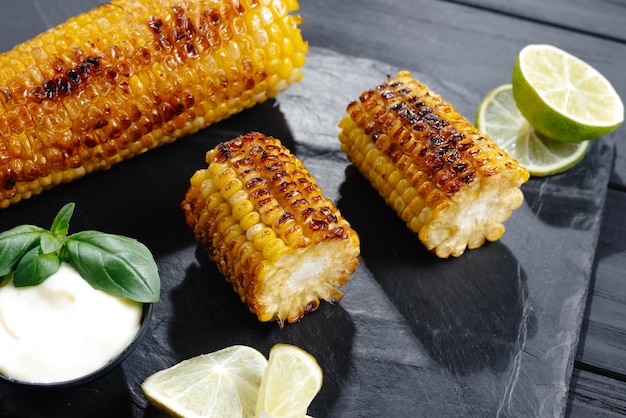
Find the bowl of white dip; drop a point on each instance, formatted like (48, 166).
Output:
(63, 332)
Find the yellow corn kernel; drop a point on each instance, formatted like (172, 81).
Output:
(131, 75)
(291, 248)
(262, 237)
(242, 208)
(450, 183)
(233, 186)
(249, 220)
(274, 249)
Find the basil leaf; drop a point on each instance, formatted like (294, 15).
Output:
(50, 243)
(61, 223)
(16, 242)
(35, 267)
(115, 264)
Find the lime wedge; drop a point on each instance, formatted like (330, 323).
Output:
(499, 118)
(224, 383)
(562, 96)
(291, 381)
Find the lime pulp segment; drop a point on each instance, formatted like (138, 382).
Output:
(499, 118)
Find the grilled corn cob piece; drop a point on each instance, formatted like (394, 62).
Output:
(281, 244)
(451, 184)
(134, 74)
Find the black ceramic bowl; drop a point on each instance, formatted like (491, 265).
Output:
(145, 324)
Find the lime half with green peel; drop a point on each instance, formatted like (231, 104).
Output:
(499, 118)
(563, 97)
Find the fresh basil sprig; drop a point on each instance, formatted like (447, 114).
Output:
(115, 264)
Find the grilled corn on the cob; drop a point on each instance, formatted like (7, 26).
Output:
(451, 184)
(134, 74)
(281, 244)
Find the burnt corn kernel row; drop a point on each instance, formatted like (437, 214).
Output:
(263, 220)
(451, 184)
(131, 75)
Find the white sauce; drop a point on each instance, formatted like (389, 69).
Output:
(62, 329)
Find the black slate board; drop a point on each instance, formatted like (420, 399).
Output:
(492, 333)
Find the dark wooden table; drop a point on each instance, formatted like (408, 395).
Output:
(474, 43)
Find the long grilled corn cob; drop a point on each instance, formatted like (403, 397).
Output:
(134, 74)
(451, 184)
(281, 244)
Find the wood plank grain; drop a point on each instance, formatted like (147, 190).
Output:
(592, 395)
(603, 18)
(26, 19)
(603, 337)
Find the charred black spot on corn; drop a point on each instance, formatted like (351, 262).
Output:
(131, 75)
(450, 183)
(266, 224)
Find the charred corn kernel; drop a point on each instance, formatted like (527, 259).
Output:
(131, 75)
(291, 248)
(451, 184)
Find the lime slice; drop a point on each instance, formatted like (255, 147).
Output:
(499, 118)
(224, 383)
(563, 97)
(291, 381)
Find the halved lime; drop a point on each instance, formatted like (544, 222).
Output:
(562, 96)
(499, 118)
(224, 383)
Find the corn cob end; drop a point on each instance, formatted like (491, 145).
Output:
(281, 244)
(451, 184)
